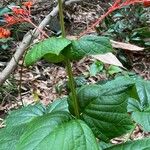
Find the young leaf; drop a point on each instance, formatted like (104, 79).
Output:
(143, 144)
(55, 131)
(89, 45)
(114, 69)
(49, 48)
(95, 68)
(140, 107)
(24, 115)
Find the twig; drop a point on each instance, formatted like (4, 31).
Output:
(28, 38)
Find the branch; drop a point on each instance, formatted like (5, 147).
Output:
(28, 38)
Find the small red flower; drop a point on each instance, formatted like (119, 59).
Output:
(146, 3)
(28, 4)
(19, 11)
(4, 33)
(10, 19)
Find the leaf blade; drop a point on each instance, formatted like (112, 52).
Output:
(104, 108)
(47, 47)
(89, 45)
(57, 132)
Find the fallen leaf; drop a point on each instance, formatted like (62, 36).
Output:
(126, 46)
(108, 58)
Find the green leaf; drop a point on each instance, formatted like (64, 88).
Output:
(143, 32)
(49, 48)
(24, 115)
(95, 68)
(55, 131)
(4, 10)
(90, 45)
(80, 81)
(54, 58)
(16, 124)
(143, 90)
(143, 144)
(104, 145)
(9, 137)
(114, 69)
(140, 107)
(121, 83)
(60, 104)
(104, 109)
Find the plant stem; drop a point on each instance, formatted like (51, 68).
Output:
(61, 17)
(72, 87)
(68, 64)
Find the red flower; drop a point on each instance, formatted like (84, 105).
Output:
(20, 11)
(19, 15)
(10, 19)
(4, 33)
(146, 3)
(28, 4)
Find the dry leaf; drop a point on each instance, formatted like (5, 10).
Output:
(72, 37)
(108, 58)
(126, 46)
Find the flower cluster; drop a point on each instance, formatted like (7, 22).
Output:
(18, 15)
(4, 33)
(146, 3)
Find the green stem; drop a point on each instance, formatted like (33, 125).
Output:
(68, 64)
(72, 87)
(61, 17)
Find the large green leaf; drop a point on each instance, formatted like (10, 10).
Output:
(16, 124)
(143, 144)
(9, 137)
(60, 104)
(103, 145)
(118, 85)
(49, 48)
(121, 83)
(140, 107)
(55, 131)
(89, 45)
(104, 109)
(24, 115)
